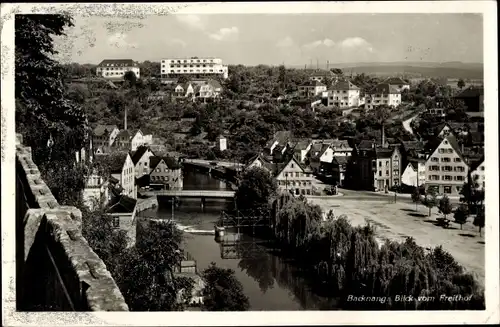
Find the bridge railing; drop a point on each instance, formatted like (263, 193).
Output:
(55, 267)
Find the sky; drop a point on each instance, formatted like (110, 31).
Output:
(273, 39)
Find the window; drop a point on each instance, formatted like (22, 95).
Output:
(380, 173)
(297, 174)
(380, 163)
(386, 173)
(450, 150)
(116, 222)
(447, 189)
(457, 160)
(459, 169)
(445, 159)
(308, 192)
(459, 178)
(286, 174)
(482, 168)
(387, 163)
(446, 177)
(434, 159)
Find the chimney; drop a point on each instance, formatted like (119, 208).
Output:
(125, 120)
(327, 65)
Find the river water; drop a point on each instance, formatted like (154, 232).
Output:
(270, 281)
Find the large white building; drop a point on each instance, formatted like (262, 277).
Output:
(344, 94)
(194, 66)
(115, 69)
(383, 94)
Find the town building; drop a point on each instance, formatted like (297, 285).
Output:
(294, 177)
(343, 94)
(115, 69)
(129, 140)
(194, 66)
(166, 173)
(477, 174)
(301, 149)
(103, 136)
(323, 76)
(338, 168)
(95, 192)
(473, 97)
(383, 94)
(398, 83)
(122, 172)
(221, 143)
(279, 138)
(414, 173)
(445, 168)
(311, 89)
(141, 158)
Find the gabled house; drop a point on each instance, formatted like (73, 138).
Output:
(414, 173)
(343, 94)
(279, 138)
(315, 154)
(301, 149)
(383, 94)
(141, 158)
(260, 162)
(293, 177)
(103, 136)
(184, 90)
(398, 83)
(166, 173)
(129, 140)
(446, 169)
(210, 89)
(122, 172)
(477, 174)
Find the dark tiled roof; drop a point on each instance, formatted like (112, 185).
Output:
(383, 152)
(471, 92)
(169, 161)
(341, 160)
(344, 86)
(313, 83)
(301, 145)
(396, 81)
(118, 62)
(137, 155)
(124, 205)
(384, 89)
(101, 129)
(366, 145)
(278, 168)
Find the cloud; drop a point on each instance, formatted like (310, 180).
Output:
(177, 42)
(224, 33)
(286, 42)
(119, 40)
(193, 21)
(326, 42)
(356, 42)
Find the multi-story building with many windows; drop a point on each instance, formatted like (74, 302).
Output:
(194, 67)
(115, 69)
(445, 169)
(383, 95)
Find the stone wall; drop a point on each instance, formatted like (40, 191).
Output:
(56, 268)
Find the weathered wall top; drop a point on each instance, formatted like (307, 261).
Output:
(48, 224)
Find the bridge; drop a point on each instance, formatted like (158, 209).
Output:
(215, 194)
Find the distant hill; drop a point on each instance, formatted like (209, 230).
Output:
(453, 69)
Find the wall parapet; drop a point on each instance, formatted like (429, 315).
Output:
(57, 270)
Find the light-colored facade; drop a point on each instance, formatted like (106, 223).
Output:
(96, 191)
(141, 161)
(126, 177)
(166, 175)
(414, 174)
(343, 94)
(295, 178)
(311, 89)
(184, 90)
(398, 83)
(478, 177)
(103, 136)
(222, 143)
(383, 95)
(129, 140)
(194, 66)
(445, 169)
(115, 69)
(209, 90)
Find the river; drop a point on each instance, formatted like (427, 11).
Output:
(270, 281)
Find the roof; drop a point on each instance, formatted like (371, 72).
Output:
(215, 84)
(137, 155)
(381, 153)
(101, 129)
(124, 205)
(344, 86)
(317, 150)
(301, 145)
(118, 62)
(114, 160)
(313, 83)
(385, 89)
(340, 144)
(366, 144)
(281, 136)
(341, 160)
(434, 144)
(476, 163)
(471, 92)
(169, 161)
(396, 81)
(279, 167)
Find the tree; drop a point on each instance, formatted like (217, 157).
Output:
(182, 79)
(461, 84)
(146, 277)
(130, 77)
(430, 199)
(480, 218)
(223, 292)
(255, 189)
(416, 197)
(445, 206)
(460, 215)
(44, 113)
